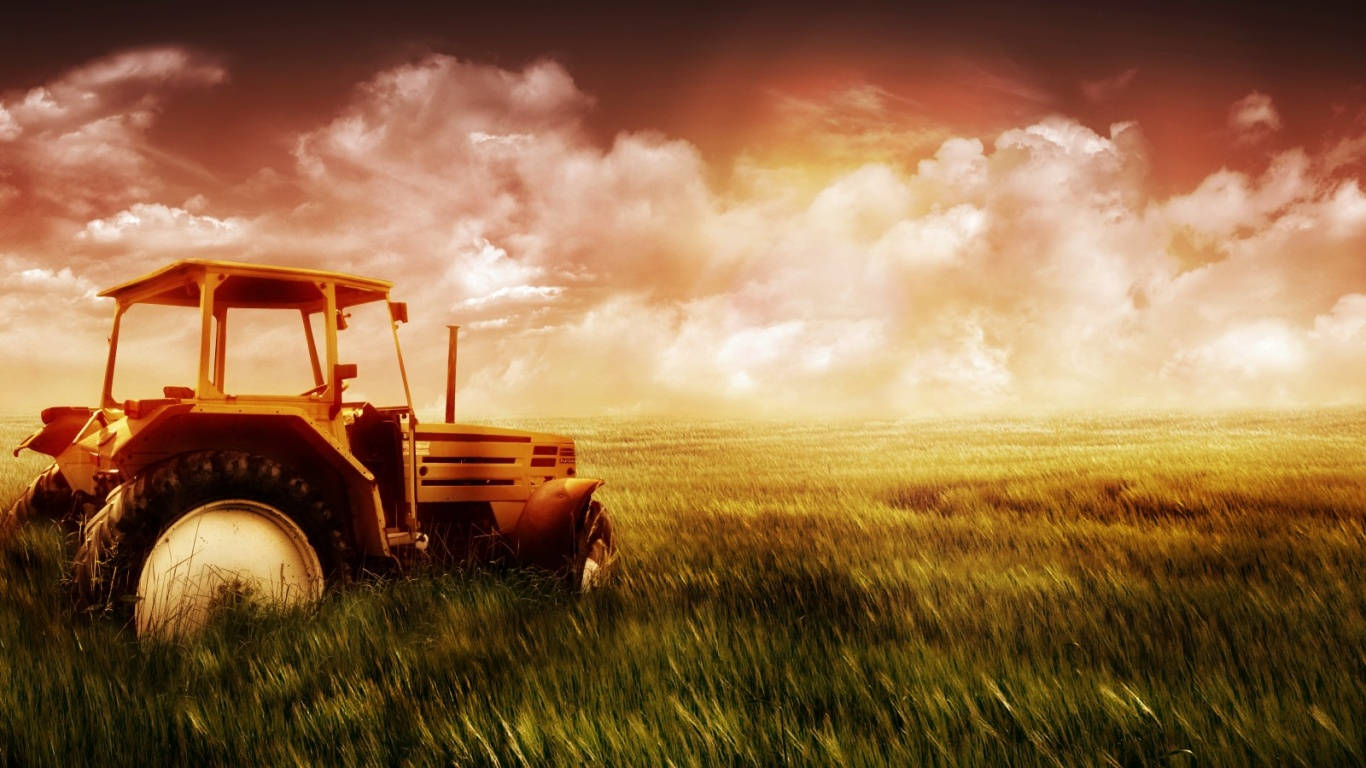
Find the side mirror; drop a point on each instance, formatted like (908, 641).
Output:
(342, 317)
(344, 371)
(398, 311)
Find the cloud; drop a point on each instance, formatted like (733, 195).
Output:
(153, 226)
(513, 294)
(1346, 152)
(1105, 89)
(1028, 269)
(51, 332)
(1345, 323)
(78, 146)
(9, 127)
(1253, 117)
(854, 123)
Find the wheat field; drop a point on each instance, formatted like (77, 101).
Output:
(1108, 590)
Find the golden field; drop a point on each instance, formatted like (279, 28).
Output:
(1109, 590)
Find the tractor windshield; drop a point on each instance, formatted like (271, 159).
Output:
(266, 352)
(158, 347)
(368, 342)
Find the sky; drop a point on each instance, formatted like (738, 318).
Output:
(714, 210)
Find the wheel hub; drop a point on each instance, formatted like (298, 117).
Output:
(220, 552)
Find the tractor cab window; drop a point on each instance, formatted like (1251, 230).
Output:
(368, 343)
(158, 347)
(267, 352)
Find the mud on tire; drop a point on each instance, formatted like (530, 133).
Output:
(48, 497)
(117, 539)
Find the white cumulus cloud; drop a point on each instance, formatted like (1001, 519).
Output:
(1030, 269)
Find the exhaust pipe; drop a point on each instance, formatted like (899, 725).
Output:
(450, 374)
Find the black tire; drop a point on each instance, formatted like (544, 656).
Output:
(48, 497)
(595, 542)
(117, 539)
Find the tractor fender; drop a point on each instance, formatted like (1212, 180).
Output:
(286, 436)
(545, 532)
(60, 427)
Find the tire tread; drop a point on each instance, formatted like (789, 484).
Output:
(117, 537)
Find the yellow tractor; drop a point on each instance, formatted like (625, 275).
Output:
(207, 494)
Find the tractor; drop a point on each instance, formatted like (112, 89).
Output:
(206, 494)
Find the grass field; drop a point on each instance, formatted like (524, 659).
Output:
(1108, 591)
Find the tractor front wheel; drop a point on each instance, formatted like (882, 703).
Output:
(563, 530)
(595, 549)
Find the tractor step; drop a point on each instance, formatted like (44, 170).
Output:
(399, 537)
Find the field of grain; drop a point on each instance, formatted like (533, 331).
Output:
(1164, 590)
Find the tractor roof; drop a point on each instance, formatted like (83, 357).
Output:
(246, 285)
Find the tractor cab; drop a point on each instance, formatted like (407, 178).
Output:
(217, 293)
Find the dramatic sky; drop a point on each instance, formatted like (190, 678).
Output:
(717, 210)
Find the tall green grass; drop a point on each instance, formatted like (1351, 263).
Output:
(1107, 591)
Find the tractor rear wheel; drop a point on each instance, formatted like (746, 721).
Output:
(594, 550)
(48, 497)
(204, 527)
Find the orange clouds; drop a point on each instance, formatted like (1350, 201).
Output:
(1253, 117)
(1029, 269)
(78, 143)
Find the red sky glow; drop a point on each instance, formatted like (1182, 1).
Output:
(721, 212)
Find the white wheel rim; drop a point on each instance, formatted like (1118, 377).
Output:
(590, 574)
(223, 550)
